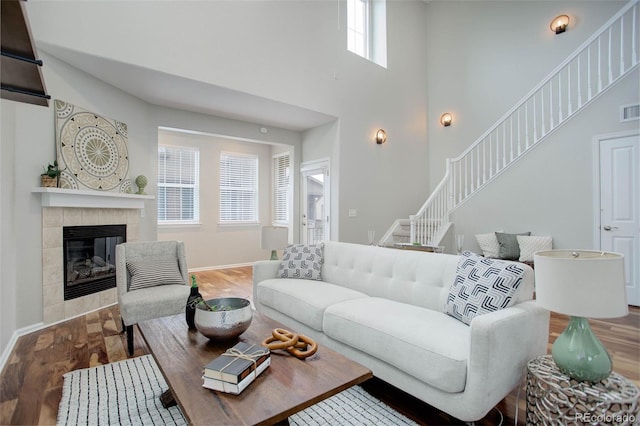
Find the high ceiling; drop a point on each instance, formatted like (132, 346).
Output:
(172, 91)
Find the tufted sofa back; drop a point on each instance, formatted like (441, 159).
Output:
(413, 277)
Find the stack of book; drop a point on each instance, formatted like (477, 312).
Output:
(237, 368)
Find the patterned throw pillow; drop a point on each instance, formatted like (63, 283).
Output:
(530, 245)
(481, 286)
(151, 273)
(302, 261)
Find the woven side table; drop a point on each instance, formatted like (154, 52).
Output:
(554, 398)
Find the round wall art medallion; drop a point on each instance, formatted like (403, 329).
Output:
(92, 150)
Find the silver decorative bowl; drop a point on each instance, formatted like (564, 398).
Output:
(231, 317)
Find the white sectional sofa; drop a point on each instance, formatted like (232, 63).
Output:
(384, 308)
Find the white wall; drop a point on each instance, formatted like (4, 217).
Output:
(484, 56)
(551, 190)
(478, 74)
(292, 52)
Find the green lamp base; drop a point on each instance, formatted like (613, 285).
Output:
(579, 354)
(274, 255)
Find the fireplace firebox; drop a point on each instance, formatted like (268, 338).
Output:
(90, 258)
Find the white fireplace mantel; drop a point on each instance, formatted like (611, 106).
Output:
(60, 197)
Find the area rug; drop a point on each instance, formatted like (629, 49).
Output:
(127, 393)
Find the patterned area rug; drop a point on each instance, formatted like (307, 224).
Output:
(127, 393)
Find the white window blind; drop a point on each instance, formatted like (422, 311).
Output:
(281, 180)
(238, 188)
(178, 184)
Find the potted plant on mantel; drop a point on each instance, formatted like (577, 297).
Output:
(49, 179)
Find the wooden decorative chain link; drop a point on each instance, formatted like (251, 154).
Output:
(297, 345)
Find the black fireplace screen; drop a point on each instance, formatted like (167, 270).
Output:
(90, 258)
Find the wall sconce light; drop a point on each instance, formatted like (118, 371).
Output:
(381, 136)
(445, 119)
(559, 24)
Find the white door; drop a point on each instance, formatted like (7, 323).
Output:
(620, 206)
(314, 224)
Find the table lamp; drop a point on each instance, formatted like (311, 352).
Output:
(274, 238)
(582, 284)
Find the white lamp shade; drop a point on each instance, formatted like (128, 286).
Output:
(274, 237)
(589, 285)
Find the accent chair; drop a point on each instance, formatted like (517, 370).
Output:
(152, 282)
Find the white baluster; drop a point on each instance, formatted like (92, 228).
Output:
(542, 117)
(511, 138)
(526, 125)
(560, 118)
(599, 64)
(504, 144)
(519, 135)
(634, 53)
(579, 85)
(535, 121)
(609, 64)
(621, 45)
(484, 160)
(569, 107)
(589, 90)
(551, 125)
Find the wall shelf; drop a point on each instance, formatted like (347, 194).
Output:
(60, 197)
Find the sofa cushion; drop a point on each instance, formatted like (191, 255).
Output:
(435, 352)
(304, 300)
(302, 261)
(481, 286)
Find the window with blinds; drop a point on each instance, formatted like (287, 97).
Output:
(238, 188)
(178, 185)
(281, 179)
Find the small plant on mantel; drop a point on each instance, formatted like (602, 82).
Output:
(49, 178)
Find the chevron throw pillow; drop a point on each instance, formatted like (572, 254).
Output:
(302, 261)
(481, 286)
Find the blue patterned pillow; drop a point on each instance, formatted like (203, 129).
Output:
(302, 261)
(482, 285)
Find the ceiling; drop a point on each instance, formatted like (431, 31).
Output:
(159, 88)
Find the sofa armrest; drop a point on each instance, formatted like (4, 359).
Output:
(502, 343)
(263, 270)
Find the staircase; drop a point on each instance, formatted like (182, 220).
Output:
(603, 60)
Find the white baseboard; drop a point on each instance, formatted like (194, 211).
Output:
(14, 339)
(32, 328)
(211, 268)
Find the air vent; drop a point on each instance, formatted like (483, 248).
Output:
(630, 112)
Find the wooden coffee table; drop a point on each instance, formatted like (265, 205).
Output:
(286, 387)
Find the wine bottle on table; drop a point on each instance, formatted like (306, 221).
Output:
(190, 310)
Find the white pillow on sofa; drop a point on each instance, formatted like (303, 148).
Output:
(531, 244)
(488, 244)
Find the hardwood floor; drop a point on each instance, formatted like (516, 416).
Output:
(31, 382)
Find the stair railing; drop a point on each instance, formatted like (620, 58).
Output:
(598, 64)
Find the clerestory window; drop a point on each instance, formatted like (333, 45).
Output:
(367, 29)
